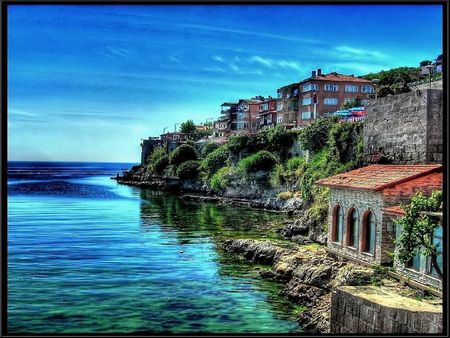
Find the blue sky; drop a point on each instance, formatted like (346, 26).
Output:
(87, 83)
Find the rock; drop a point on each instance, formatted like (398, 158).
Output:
(262, 252)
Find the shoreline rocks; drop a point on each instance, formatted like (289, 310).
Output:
(308, 272)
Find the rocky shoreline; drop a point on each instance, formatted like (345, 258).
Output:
(308, 272)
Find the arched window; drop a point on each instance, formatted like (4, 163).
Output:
(338, 223)
(352, 227)
(368, 233)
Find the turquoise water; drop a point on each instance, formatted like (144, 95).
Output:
(86, 255)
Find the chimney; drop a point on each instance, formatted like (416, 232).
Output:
(313, 73)
(319, 72)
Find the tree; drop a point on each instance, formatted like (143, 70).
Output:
(188, 127)
(352, 103)
(182, 153)
(395, 81)
(417, 229)
(315, 136)
(425, 63)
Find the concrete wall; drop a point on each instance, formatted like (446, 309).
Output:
(408, 127)
(368, 310)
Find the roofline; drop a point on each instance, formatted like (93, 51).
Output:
(383, 186)
(412, 177)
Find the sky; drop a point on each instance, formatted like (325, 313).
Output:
(87, 82)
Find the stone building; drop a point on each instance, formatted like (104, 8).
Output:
(406, 128)
(148, 146)
(287, 105)
(360, 228)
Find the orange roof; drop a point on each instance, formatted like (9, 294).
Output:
(396, 210)
(378, 177)
(335, 77)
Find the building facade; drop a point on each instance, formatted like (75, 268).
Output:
(287, 105)
(360, 227)
(268, 113)
(322, 94)
(247, 114)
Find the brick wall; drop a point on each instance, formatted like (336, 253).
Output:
(407, 126)
(352, 313)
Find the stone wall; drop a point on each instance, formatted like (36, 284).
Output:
(362, 201)
(367, 309)
(407, 128)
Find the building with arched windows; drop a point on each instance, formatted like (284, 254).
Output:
(361, 224)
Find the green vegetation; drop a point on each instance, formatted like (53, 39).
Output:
(315, 136)
(208, 148)
(395, 81)
(182, 153)
(188, 170)
(352, 103)
(188, 127)
(215, 160)
(221, 179)
(158, 160)
(417, 229)
(261, 161)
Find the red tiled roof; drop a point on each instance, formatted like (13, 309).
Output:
(395, 210)
(378, 177)
(335, 77)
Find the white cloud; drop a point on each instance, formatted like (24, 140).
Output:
(358, 52)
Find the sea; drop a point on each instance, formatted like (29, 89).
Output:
(89, 255)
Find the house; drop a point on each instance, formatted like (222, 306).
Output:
(287, 105)
(247, 114)
(321, 94)
(360, 214)
(268, 113)
(227, 122)
(419, 269)
(174, 136)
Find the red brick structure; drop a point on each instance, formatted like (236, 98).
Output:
(329, 92)
(268, 113)
(247, 114)
(362, 202)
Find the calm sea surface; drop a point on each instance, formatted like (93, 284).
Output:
(88, 255)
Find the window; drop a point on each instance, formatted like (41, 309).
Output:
(331, 87)
(364, 102)
(368, 233)
(351, 89)
(348, 100)
(352, 228)
(279, 119)
(246, 124)
(279, 107)
(330, 101)
(307, 101)
(306, 115)
(310, 86)
(295, 92)
(280, 95)
(367, 89)
(437, 240)
(338, 222)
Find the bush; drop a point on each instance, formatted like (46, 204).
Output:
(208, 148)
(294, 163)
(314, 137)
(156, 153)
(285, 195)
(279, 140)
(262, 160)
(277, 177)
(345, 140)
(159, 164)
(215, 160)
(238, 143)
(182, 154)
(221, 179)
(188, 170)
